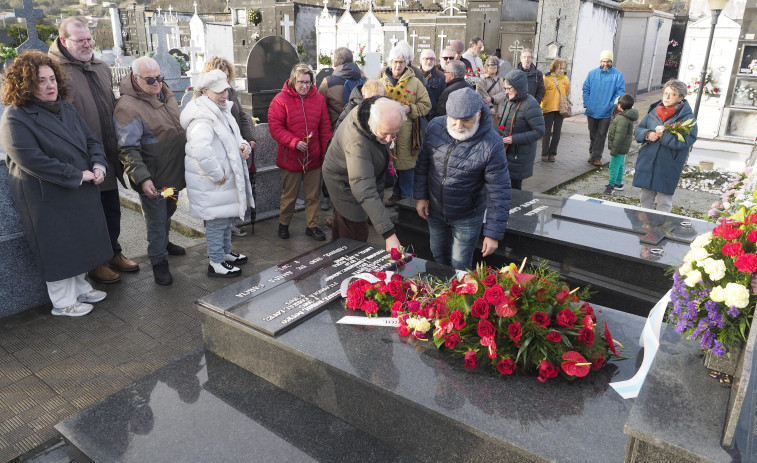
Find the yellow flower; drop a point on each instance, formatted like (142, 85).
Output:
(695, 255)
(717, 294)
(701, 240)
(684, 269)
(693, 278)
(736, 295)
(714, 268)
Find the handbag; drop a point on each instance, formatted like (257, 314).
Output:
(419, 130)
(566, 107)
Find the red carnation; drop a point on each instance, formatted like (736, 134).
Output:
(458, 319)
(480, 308)
(746, 263)
(546, 371)
(403, 330)
(494, 295)
(554, 336)
(608, 338)
(732, 249)
(566, 318)
(506, 366)
(451, 340)
(516, 291)
(370, 306)
(470, 359)
(541, 319)
(751, 218)
(732, 233)
(490, 280)
(485, 329)
(501, 127)
(515, 331)
(752, 236)
(395, 254)
(586, 336)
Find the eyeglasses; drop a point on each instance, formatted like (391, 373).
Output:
(669, 94)
(430, 58)
(152, 80)
(91, 40)
(492, 65)
(306, 83)
(449, 72)
(447, 58)
(507, 89)
(397, 63)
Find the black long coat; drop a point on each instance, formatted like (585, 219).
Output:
(62, 217)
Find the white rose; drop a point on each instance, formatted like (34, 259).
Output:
(736, 295)
(717, 294)
(701, 240)
(714, 268)
(693, 278)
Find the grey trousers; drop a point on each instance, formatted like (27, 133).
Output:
(649, 197)
(157, 213)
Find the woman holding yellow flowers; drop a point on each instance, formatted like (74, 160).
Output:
(667, 132)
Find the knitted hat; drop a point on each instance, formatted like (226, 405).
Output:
(457, 46)
(214, 80)
(607, 54)
(464, 103)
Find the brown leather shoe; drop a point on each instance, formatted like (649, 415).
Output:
(551, 158)
(544, 158)
(103, 274)
(123, 263)
(597, 162)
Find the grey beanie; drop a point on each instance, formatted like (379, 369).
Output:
(464, 103)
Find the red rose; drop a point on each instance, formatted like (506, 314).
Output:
(608, 338)
(458, 319)
(752, 236)
(355, 300)
(501, 127)
(554, 336)
(732, 249)
(597, 360)
(515, 331)
(480, 308)
(451, 340)
(395, 254)
(566, 318)
(586, 309)
(586, 336)
(746, 263)
(546, 371)
(540, 318)
(732, 233)
(490, 280)
(485, 329)
(470, 359)
(494, 295)
(506, 366)
(515, 291)
(403, 330)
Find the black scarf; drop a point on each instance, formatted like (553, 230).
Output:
(52, 106)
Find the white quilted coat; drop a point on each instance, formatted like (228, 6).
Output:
(212, 151)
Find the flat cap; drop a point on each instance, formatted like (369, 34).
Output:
(464, 103)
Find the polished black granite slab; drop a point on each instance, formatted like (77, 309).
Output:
(426, 402)
(202, 408)
(285, 295)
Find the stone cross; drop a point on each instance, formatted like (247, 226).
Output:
(286, 24)
(170, 11)
(451, 6)
(159, 10)
(441, 47)
(160, 30)
(195, 5)
(325, 4)
(413, 35)
(397, 4)
(32, 39)
(516, 48)
(368, 27)
(394, 40)
(347, 5)
(193, 56)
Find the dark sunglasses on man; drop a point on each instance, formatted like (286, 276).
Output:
(152, 80)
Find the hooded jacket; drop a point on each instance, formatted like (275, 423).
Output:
(461, 179)
(355, 168)
(621, 132)
(332, 88)
(535, 80)
(660, 163)
(523, 119)
(150, 137)
(213, 141)
(435, 84)
(600, 91)
(91, 92)
(294, 118)
(458, 83)
(356, 97)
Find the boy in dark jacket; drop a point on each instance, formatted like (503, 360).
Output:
(619, 140)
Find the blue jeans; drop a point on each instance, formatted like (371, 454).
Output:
(453, 242)
(403, 184)
(218, 238)
(157, 214)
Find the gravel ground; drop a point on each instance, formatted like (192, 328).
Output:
(694, 197)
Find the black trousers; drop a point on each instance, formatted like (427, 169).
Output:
(516, 183)
(552, 128)
(597, 136)
(112, 209)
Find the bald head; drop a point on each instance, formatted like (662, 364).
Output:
(385, 119)
(428, 60)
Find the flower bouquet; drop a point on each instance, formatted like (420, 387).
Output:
(739, 200)
(712, 295)
(505, 319)
(681, 129)
(710, 84)
(472, 77)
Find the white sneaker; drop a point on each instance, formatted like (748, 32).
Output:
(76, 310)
(223, 270)
(235, 259)
(92, 296)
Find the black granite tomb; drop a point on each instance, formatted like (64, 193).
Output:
(268, 66)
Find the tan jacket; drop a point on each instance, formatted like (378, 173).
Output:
(497, 94)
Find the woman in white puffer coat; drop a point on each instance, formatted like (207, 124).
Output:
(217, 183)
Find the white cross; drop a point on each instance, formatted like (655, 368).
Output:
(325, 3)
(160, 30)
(368, 26)
(516, 48)
(397, 4)
(286, 24)
(413, 35)
(347, 5)
(193, 56)
(158, 10)
(394, 40)
(170, 9)
(441, 47)
(30, 14)
(451, 7)
(195, 5)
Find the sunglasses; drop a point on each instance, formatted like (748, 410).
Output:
(152, 80)
(447, 58)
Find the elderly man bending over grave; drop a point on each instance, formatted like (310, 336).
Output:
(355, 167)
(151, 143)
(462, 177)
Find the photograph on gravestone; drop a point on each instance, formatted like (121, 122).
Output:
(268, 66)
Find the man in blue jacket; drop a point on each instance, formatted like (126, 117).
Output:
(601, 89)
(460, 177)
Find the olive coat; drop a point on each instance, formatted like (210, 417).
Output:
(62, 217)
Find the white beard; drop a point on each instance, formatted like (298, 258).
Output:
(462, 134)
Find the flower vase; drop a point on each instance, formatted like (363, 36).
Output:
(727, 364)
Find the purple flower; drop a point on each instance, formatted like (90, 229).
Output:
(718, 349)
(707, 340)
(733, 311)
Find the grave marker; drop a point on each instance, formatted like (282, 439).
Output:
(30, 14)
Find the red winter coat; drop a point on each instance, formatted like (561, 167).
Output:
(291, 118)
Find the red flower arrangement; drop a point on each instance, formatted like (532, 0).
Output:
(504, 319)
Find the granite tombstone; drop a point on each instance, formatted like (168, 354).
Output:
(268, 66)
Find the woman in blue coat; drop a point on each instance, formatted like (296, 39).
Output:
(523, 124)
(663, 155)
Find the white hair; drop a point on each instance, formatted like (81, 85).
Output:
(380, 109)
(137, 63)
(402, 49)
(428, 52)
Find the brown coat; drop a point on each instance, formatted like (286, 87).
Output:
(91, 92)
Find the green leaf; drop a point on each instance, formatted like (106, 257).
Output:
(523, 349)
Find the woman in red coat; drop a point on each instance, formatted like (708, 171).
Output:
(299, 122)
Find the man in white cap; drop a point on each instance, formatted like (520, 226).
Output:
(602, 88)
(461, 177)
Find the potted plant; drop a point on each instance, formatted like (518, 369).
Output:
(710, 85)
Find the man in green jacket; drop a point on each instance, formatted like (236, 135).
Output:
(151, 143)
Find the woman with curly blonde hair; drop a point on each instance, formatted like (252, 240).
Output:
(55, 163)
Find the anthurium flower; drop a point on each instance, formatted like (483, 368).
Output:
(575, 364)
(610, 342)
(506, 308)
(468, 285)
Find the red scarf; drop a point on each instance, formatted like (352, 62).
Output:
(665, 113)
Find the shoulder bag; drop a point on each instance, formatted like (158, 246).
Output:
(566, 107)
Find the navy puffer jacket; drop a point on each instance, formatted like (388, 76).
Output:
(463, 178)
(527, 127)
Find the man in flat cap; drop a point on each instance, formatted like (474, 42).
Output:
(461, 177)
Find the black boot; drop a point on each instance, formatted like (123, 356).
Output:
(161, 273)
(284, 232)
